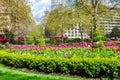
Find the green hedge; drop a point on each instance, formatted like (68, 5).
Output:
(69, 41)
(29, 42)
(96, 67)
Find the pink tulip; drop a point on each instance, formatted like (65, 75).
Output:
(93, 49)
(114, 51)
(88, 51)
(65, 55)
(63, 51)
(55, 51)
(50, 47)
(72, 48)
(118, 49)
(31, 47)
(45, 47)
(4, 46)
(10, 48)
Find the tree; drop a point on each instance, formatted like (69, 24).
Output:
(82, 18)
(98, 9)
(58, 21)
(19, 13)
(115, 32)
(35, 31)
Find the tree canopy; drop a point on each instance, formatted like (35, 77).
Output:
(18, 11)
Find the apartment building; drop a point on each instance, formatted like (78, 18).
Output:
(74, 31)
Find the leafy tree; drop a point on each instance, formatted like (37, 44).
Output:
(80, 17)
(58, 21)
(115, 32)
(97, 9)
(19, 14)
(35, 31)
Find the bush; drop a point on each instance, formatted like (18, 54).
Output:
(89, 67)
(117, 42)
(98, 38)
(96, 35)
(41, 41)
(99, 44)
(76, 40)
(58, 42)
(29, 42)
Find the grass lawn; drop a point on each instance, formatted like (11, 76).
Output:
(8, 74)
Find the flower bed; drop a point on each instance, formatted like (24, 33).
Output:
(81, 50)
(90, 67)
(84, 59)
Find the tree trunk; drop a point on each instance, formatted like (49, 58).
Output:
(95, 7)
(81, 33)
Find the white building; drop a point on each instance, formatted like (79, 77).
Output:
(74, 32)
(110, 24)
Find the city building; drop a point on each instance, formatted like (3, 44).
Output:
(74, 31)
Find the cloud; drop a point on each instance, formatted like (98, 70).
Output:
(38, 7)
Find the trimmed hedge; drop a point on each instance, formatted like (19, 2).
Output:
(96, 67)
(29, 42)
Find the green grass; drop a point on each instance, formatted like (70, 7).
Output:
(8, 74)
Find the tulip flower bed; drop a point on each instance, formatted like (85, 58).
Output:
(81, 50)
(84, 59)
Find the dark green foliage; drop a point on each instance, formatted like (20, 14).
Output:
(1, 46)
(69, 41)
(58, 42)
(9, 35)
(29, 42)
(115, 32)
(89, 67)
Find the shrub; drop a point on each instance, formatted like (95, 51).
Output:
(96, 35)
(41, 41)
(98, 38)
(99, 43)
(58, 42)
(89, 67)
(29, 42)
(117, 42)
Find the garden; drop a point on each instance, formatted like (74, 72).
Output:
(70, 40)
(97, 58)
(88, 59)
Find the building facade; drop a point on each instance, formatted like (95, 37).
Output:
(75, 33)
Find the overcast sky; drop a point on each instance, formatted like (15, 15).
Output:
(38, 7)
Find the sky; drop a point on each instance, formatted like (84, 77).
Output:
(38, 7)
